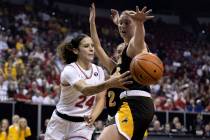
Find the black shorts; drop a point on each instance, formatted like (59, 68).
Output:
(134, 116)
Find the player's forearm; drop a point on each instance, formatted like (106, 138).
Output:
(94, 89)
(98, 107)
(100, 53)
(139, 36)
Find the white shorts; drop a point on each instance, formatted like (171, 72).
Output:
(60, 129)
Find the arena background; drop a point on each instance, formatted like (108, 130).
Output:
(179, 35)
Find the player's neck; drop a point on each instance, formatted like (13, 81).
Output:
(84, 65)
(126, 40)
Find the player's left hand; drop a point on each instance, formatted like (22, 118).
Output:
(141, 15)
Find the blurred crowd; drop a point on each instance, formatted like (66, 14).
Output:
(176, 127)
(17, 130)
(30, 67)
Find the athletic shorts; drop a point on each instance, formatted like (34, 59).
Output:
(134, 116)
(61, 129)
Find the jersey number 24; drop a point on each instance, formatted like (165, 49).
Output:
(85, 101)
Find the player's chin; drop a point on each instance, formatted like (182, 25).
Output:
(123, 35)
(91, 58)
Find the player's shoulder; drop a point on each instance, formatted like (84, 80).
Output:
(69, 68)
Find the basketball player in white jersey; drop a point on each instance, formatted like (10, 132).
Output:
(80, 80)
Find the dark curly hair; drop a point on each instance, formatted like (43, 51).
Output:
(65, 49)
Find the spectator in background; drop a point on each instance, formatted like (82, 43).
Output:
(4, 124)
(44, 129)
(49, 99)
(174, 122)
(179, 129)
(199, 106)
(37, 98)
(21, 95)
(207, 109)
(180, 103)
(169, 105)
(167, 129)
(3, 43)
(10, 68)
(3, 87)
(24, 129)
(199, 125)
(191, 105)
(157, 128)
(13, 133)
(158, 102)
(207, 130)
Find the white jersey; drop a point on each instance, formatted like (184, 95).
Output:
(72, 102)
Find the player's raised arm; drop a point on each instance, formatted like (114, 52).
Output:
(105, 60)
(137, 43)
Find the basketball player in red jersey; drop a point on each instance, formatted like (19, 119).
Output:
(136, 108)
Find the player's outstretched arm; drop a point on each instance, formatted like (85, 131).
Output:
(137, 43)
(104, 59)
(115, 81)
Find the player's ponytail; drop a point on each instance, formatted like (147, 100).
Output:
(65, 49)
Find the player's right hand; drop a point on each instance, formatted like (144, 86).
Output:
(115, 16)
(118, 80)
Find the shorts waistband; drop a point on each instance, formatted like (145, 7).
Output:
(134, 93)
(69, 118)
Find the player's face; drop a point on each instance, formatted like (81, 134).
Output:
(126, 27)
(86, 49)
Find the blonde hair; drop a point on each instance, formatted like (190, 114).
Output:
(128, 12)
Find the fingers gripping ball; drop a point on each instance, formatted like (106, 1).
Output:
(146, 68)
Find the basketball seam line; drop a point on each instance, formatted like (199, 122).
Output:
(135, 78)
(152, 63)
(147, 72)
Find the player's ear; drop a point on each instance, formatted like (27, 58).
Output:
(75, 51)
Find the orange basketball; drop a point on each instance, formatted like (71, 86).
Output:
(146, 68)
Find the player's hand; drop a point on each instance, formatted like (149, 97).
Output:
(115, 16)
(92, 13)
(141, 16)
(118, 80)
(89, 120)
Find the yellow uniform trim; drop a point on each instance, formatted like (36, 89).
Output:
(124, 121)
(146, 134)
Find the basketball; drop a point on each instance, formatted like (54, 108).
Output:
(146, 68)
